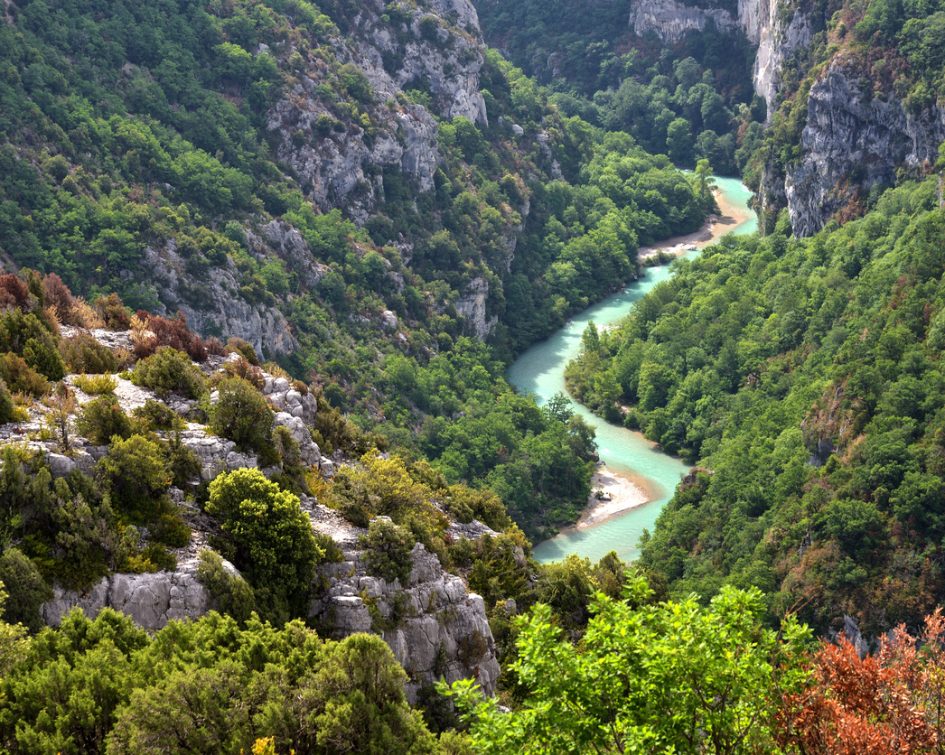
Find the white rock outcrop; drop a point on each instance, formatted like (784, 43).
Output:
(435, 626)
(151, 600)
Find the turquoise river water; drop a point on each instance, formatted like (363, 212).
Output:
(540, 372)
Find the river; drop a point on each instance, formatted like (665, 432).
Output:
(627, 456)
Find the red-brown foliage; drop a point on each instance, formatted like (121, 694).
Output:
(113, 312)
(171, 332)
(60, 298)
(887, 703)
(13, 292)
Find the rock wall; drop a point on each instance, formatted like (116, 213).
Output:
(776, 30)
(852, 141)
(151, 600)
(435, 626)
(438, 49)
(671, 20)
(777, 36)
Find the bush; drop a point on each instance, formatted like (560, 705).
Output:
(184, 464)
(270, 539)
(13, 292)
(169, 528)
(26, 587)
(169, 371)
(230, 594)
(156, 415)
(242, 414)
(113, 312)
(387, 550)
(102, 419)
(174, 333)
(20, 377)
(42, 355)
(242, 368)
(86, 355)
(95, 385)
(58, 296)
(244, 349)
(137, 475)
(7, 410)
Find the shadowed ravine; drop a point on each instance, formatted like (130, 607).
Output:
(626, 455)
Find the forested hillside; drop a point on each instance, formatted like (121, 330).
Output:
(264, 486)
(259, 167)
(803, 377)
(689, 97)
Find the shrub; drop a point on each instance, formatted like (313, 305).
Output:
(242, 415)
(270, 539)
(113, 312)
(86, 355)
(13, 292)
(170, 332)
(102, 419)
(169, 529)
(230, 594)
(7, 410)
(387, 550)
(242, 368)
(95, 385)
(137, 474)
(43, 356)
(20, 377)
(184, 464)
(244, 349)
(26, 587)
(169, 371)
(58, 296)
(156, 415)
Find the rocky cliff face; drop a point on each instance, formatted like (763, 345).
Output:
(852, 141)
(777, 31)
(151, 600)
(671, 20)
(435, 626)
(437, 48)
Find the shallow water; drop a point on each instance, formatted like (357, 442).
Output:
(540, 371)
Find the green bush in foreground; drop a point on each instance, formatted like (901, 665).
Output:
(669, 677)
(268, 538)
(169, 371)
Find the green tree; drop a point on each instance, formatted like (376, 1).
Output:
(669, 677)
(27, 590)
(242, 415)
(679, 141)
(387, 550)
(137, 475)
(269, 539)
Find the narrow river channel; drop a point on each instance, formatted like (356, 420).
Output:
(625, 454)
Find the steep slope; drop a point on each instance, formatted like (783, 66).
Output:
(354, 188)
(804, 377)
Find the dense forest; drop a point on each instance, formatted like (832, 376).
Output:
(691, 99)
(803, 376)
(158, 140)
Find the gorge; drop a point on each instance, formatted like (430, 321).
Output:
(624, 453)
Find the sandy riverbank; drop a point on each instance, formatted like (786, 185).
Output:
(730, 215)
(612, 493)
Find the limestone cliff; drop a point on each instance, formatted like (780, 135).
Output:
(854, 140)
(435, 47)
(436, 627)
(775, 29)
